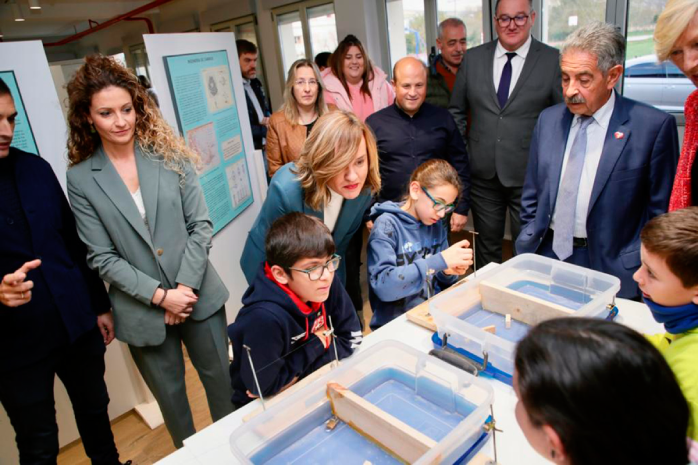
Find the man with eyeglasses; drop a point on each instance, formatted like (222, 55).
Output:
(296, 317)
(411, 131)
(498, 95)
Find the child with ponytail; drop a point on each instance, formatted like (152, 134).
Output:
(409, 258)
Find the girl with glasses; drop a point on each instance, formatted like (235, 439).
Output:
(409, 258)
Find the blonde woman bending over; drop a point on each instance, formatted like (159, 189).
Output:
(333, 179)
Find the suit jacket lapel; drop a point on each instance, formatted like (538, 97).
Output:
(113, 186)
(529, 65)
(346, 217)
(612, 148)
(557, 153)
(489, 72)
(149, 180)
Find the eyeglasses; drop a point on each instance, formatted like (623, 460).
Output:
(505, 20)
(440, 206)
(303, 82)
(316, 272)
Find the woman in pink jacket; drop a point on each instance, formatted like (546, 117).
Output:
(353, 83)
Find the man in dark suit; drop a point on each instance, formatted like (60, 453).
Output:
(55, 316)
(500, 90)
(600, 167)
(257, 105)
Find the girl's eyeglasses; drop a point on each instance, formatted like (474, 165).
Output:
(440, 206)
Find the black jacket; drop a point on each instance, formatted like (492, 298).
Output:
(406, 142)
(259, 132)
(67, 296)
(280, 337)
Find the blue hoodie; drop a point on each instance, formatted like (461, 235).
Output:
(280, 336)
(401, 249)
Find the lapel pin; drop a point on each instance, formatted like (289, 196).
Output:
(619, 135)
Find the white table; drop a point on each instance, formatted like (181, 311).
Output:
(211, 446)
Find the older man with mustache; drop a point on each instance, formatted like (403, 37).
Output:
(600, 165)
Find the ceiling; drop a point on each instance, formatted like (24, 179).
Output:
(57, 19)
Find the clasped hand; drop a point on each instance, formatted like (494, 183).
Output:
(179, 304)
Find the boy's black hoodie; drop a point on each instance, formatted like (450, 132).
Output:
(280, 335)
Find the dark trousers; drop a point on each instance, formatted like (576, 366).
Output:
(580, 255)
(27, 395)
(353, 264)
(489, 203)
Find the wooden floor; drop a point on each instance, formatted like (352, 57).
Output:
(137, 442)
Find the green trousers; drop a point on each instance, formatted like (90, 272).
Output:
(162, 367)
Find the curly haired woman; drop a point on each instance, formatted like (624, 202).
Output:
(140, 210)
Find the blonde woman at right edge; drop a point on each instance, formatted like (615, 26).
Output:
(675, 38)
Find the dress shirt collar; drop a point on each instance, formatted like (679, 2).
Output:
(602, 117)
(521, 51)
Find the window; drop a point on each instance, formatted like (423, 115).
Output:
(469, 11)
(290, 38)
(406, 29)
(323, 29)
(244, 28)
(303, 30)
(139, 56)
(560, 17)
(662, 85)
(646, 70)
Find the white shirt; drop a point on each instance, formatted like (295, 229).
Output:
(332, 210)
(596, 133)
(517, 63)
(255, 103)
(138, 199)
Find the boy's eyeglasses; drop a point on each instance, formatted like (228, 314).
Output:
(440, 206)
(316, 272)
(505, 20)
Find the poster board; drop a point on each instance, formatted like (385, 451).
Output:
(201, 88)
(230, 240)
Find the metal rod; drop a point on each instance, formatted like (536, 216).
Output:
(474, 254)
(494, 434)
(254, 375)
(334, 341)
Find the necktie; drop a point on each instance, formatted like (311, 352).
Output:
(566, 202)
(505, 81)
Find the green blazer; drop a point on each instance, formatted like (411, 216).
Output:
(136, 256)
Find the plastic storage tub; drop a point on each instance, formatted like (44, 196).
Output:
(459, 312)
(448, 405)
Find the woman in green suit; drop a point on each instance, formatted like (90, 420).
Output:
(140, 210)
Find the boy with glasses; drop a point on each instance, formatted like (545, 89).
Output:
(294, 312)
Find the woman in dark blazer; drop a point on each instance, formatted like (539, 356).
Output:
(141, 212)
(333, 179)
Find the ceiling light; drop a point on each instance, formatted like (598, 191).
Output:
(17, 12)
(34, 5)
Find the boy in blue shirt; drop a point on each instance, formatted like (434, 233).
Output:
(287, 309)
